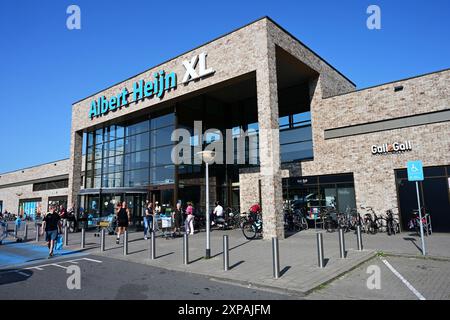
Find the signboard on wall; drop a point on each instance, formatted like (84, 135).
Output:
(162, 82)
(388, 148)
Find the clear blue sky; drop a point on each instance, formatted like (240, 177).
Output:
(45, 67)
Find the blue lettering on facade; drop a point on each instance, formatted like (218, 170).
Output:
(161, 83)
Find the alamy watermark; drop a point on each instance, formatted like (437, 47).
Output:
(74, 280)
(374, 280)
(73, 21)
(374, 20)
(231, 146)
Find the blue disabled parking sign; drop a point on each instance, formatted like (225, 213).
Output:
(415, 170)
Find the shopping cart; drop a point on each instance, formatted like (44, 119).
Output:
(108, 223)
(10, 229)
(3, 230)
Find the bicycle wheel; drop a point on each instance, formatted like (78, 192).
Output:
(304, 223)
(249, 230)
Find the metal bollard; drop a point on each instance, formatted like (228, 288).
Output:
(25, 235)
(341, 243)
(320, 250)
(83, 238)
(185, 248)
(66, 236)
(226, 254)
(152, 246)
(275, 258)
(359, 238)
(37, 233)
(125, 243)
(102, 240)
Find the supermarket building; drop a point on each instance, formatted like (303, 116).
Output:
(319, 141)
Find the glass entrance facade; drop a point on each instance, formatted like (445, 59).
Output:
(30, 208)
(335, 191)
(95, 206)
(136, 154)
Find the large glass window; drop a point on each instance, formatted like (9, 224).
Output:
(136, 178)
(137, 160)
(137, 128)
(335, 191)
(296, 137)
(124, 156)
(137, 142)
(163, 174)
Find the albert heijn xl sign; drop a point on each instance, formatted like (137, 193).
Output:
(162, 82)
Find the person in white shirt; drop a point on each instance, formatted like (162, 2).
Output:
(218, 214)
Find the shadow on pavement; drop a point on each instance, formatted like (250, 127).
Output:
(8, 276)
(232, 248)
(163, 255)
(285, 269)
(236, 264)
(413, 241)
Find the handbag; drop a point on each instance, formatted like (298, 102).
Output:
(59, 242)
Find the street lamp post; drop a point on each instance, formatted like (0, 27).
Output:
(207, 156)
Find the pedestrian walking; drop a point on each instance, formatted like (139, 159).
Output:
(177, 214)
(157, 212)
(52, 225)
(148, 219)
(63, 215)
(189, 227)
(123, 219)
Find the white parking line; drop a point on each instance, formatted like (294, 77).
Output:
(407, 284)
(89, 259)
(40, 267)
(37, 268)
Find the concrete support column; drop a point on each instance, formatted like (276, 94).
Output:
(269, 143)
(75, 163)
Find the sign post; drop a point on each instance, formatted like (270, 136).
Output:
(415, 173)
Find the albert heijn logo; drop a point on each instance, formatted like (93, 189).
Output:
(161, 82)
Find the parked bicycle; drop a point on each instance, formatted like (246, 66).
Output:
(392, 226)
(253, 226)
(414, 222)
(373, 223)
(329, 217)
(295, 220)
(233, 218)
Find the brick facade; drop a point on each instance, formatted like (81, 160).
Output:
(334, 103)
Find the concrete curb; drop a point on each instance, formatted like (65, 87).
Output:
(416, 256)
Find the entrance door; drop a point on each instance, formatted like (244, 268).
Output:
(155, 195)
(434, 193)
(135, 204)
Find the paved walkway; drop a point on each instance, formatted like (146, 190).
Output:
(251, 261)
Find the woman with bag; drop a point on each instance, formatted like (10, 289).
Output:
(123, 219)
(51, 224)
(148, 220)
(189, 227)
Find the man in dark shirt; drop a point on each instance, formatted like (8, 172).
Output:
(51, 224)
